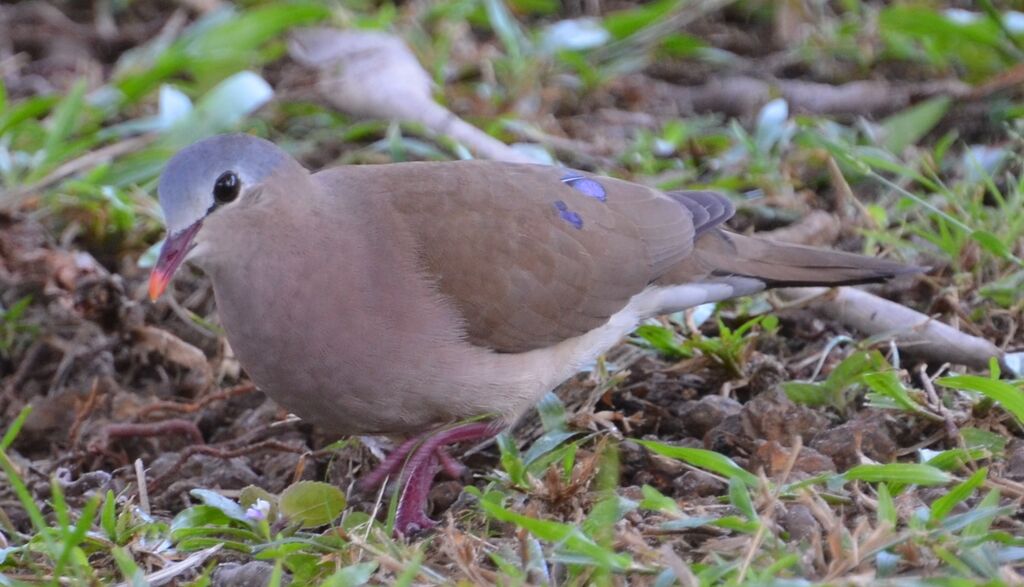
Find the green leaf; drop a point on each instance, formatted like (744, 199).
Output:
(62, 123)
(131, 572)
(809, 394)
(567, 535)
(737, 523)
(29, 109)
(921, 32)
(108, 516)
(662, 340)
(910, 473)
(214, 499)
(552, 413)
(511, 460)
(889, 392)
(981, 526)
(624, 23)
(352, 576)
(1006, 395)
(739, 497)
(886, 506)
(909, 126)
(217, 45)
(312, 503)
(992, 244)
(656, 501)
(942, 506)
(688, 523)
(74, 537)
(832, 391)
(978, 517)
(854, 366)
(984, 439)
(506, 28)
(956, 458)
(198, 516)
(14, 428)
(704, 459)
(1005, 291)
(17, 484)
(606, 513)
(681, 45)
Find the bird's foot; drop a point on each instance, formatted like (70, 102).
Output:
(389, 467)
(418, 459)
(451, 466)
(394, 462)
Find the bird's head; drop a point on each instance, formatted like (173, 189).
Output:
(216, 176)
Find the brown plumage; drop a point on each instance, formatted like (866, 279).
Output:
(395, 299)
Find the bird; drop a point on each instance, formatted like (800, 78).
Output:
(436, 302)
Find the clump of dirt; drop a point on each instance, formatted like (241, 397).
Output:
(111, 379)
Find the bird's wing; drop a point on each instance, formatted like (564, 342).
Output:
(531, 255)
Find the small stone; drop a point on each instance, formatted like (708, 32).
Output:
(773, 457)
(667, 466)
(698, 484)
(841, 443)
(632, 454)
(728, 436)
(1015, 460)
(800, 523)
(444, 494)
(773, 416)
(698, 417)
(766, 373)
(251, 574)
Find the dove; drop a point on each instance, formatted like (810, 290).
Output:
(436, 302)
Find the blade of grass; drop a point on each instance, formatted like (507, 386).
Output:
(1006, 395)
(911, 473)
(703, 459)
(944, 505)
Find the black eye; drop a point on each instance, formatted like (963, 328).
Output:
(226, 188)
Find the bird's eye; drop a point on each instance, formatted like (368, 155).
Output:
(226, 188)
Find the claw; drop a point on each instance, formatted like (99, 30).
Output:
(419, 459)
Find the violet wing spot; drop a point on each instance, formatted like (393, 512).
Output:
(568, 215)
(586, 186)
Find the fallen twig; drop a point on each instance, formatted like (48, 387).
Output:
(150, 429)
(220, 453)
(913, 331)
(952, 430)
(743, 96)
(140, 479)
(375, 74)
(173, 571)
(192, 407)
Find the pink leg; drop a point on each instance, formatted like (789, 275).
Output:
(420, 471)
(391, 465)
(450, 466)
(394, 461)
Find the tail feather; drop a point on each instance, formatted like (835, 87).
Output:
(785, 265)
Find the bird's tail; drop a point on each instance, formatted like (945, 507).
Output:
(784, 265)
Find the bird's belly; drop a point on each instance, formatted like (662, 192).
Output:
(359, 373)
(358, 365)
